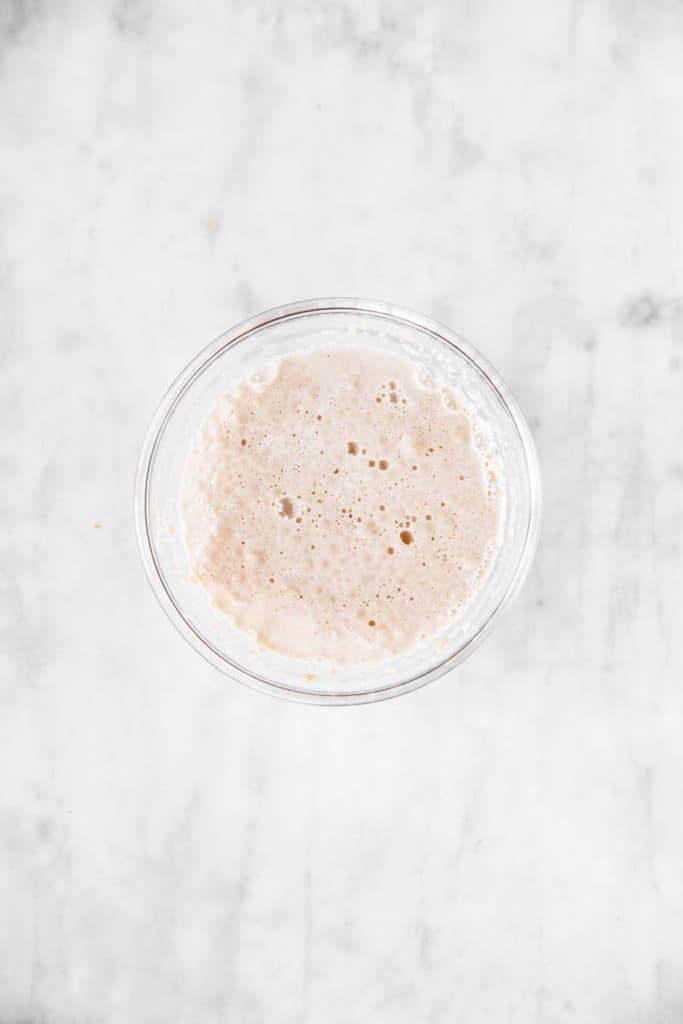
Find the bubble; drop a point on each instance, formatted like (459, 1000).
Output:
(286, 508)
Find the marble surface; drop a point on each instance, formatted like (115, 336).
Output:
(507, 844)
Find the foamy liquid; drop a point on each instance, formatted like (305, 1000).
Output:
(337, 507)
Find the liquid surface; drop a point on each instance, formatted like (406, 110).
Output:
(340, 508)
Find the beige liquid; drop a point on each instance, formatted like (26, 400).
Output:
(340, 507)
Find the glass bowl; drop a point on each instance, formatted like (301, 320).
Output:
(241, 351)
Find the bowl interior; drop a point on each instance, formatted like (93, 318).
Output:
(241, 352)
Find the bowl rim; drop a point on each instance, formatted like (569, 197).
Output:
(179, 387)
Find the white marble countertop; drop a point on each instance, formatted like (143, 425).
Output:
(507, 844)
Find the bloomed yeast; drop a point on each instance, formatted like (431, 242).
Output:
(341, 505)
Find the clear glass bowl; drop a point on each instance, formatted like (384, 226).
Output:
(241, 351)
